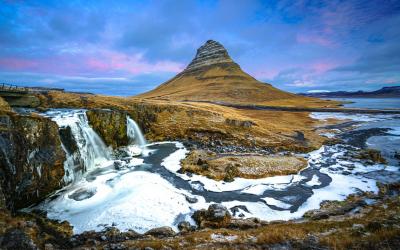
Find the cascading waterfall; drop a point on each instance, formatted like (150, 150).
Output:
(92, 151)
(135, 135)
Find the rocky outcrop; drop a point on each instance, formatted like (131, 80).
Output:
(31, 159)
(210, 53)
(110, 125)
(216, 216)
(4, 105)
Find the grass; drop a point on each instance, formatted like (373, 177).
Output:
(228, 83)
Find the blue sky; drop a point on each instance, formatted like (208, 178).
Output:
(128, 47)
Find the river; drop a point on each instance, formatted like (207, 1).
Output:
(143, 189)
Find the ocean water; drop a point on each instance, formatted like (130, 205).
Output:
(370, 103)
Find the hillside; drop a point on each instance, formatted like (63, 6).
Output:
(213, 76)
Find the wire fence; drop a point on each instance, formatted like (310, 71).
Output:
(12, 87)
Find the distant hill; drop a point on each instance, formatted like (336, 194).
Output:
(385, 92)
(214, 76)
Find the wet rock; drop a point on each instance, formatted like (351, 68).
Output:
(371, 156)
(191, 199)
(15, 239)
(82, 194)
(31, 159)
(118, 165)
(68, 139)
(334, 208)
(185, 226)
(236, 209)
(161, 232)
(111, 125)
(215, 216)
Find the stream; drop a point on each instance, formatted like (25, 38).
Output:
(141, 187)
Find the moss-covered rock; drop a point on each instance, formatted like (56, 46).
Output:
(31, 159)
(110, 125)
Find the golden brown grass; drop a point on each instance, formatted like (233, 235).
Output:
(204, 122)
(228, 83)
(220, 167)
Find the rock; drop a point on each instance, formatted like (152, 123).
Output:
(236, 209)
(371, 156)
(68, 139)
(31, 159)
(119, 164)
(334, 208)
(185, 226)
(15, 239)
(210, 53)
(239, 123)
(244, 223)
(191, 199)
(111, 125)
(231, 171)
(215, 216)
(161, 232)
(49, 246)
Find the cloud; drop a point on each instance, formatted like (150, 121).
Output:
(295, 45)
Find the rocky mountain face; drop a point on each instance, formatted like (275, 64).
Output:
(210, 53)
(31, 159)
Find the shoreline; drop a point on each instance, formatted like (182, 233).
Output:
(296, 109)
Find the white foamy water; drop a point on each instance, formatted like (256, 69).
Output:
(134, 197)
(135, 134)
(92, 152)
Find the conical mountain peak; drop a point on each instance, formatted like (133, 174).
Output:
(210, 53)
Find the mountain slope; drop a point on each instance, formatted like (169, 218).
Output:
(214, 76)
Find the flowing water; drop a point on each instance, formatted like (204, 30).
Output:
(135, 135)
(143, 191)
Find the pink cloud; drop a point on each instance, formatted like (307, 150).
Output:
(17, 63)
(97, 62)
(315, 39)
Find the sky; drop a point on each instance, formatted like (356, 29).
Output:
(129, 47)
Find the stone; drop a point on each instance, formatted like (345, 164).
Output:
(215, 216)
(191, 199)
(15, 238)
(31, 159)
(161, 232)
(210, 53)
(185, 226)
(68, 139)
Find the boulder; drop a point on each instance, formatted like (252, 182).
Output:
(185, 226)
(215, 216)
(15, 238)
(161, 232)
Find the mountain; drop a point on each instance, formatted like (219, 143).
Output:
(385, 92)
(213, 76)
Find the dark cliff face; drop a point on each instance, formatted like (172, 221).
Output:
(110, 125)
(31, 159)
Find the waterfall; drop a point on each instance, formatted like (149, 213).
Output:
(92, 151)
(134, 133)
